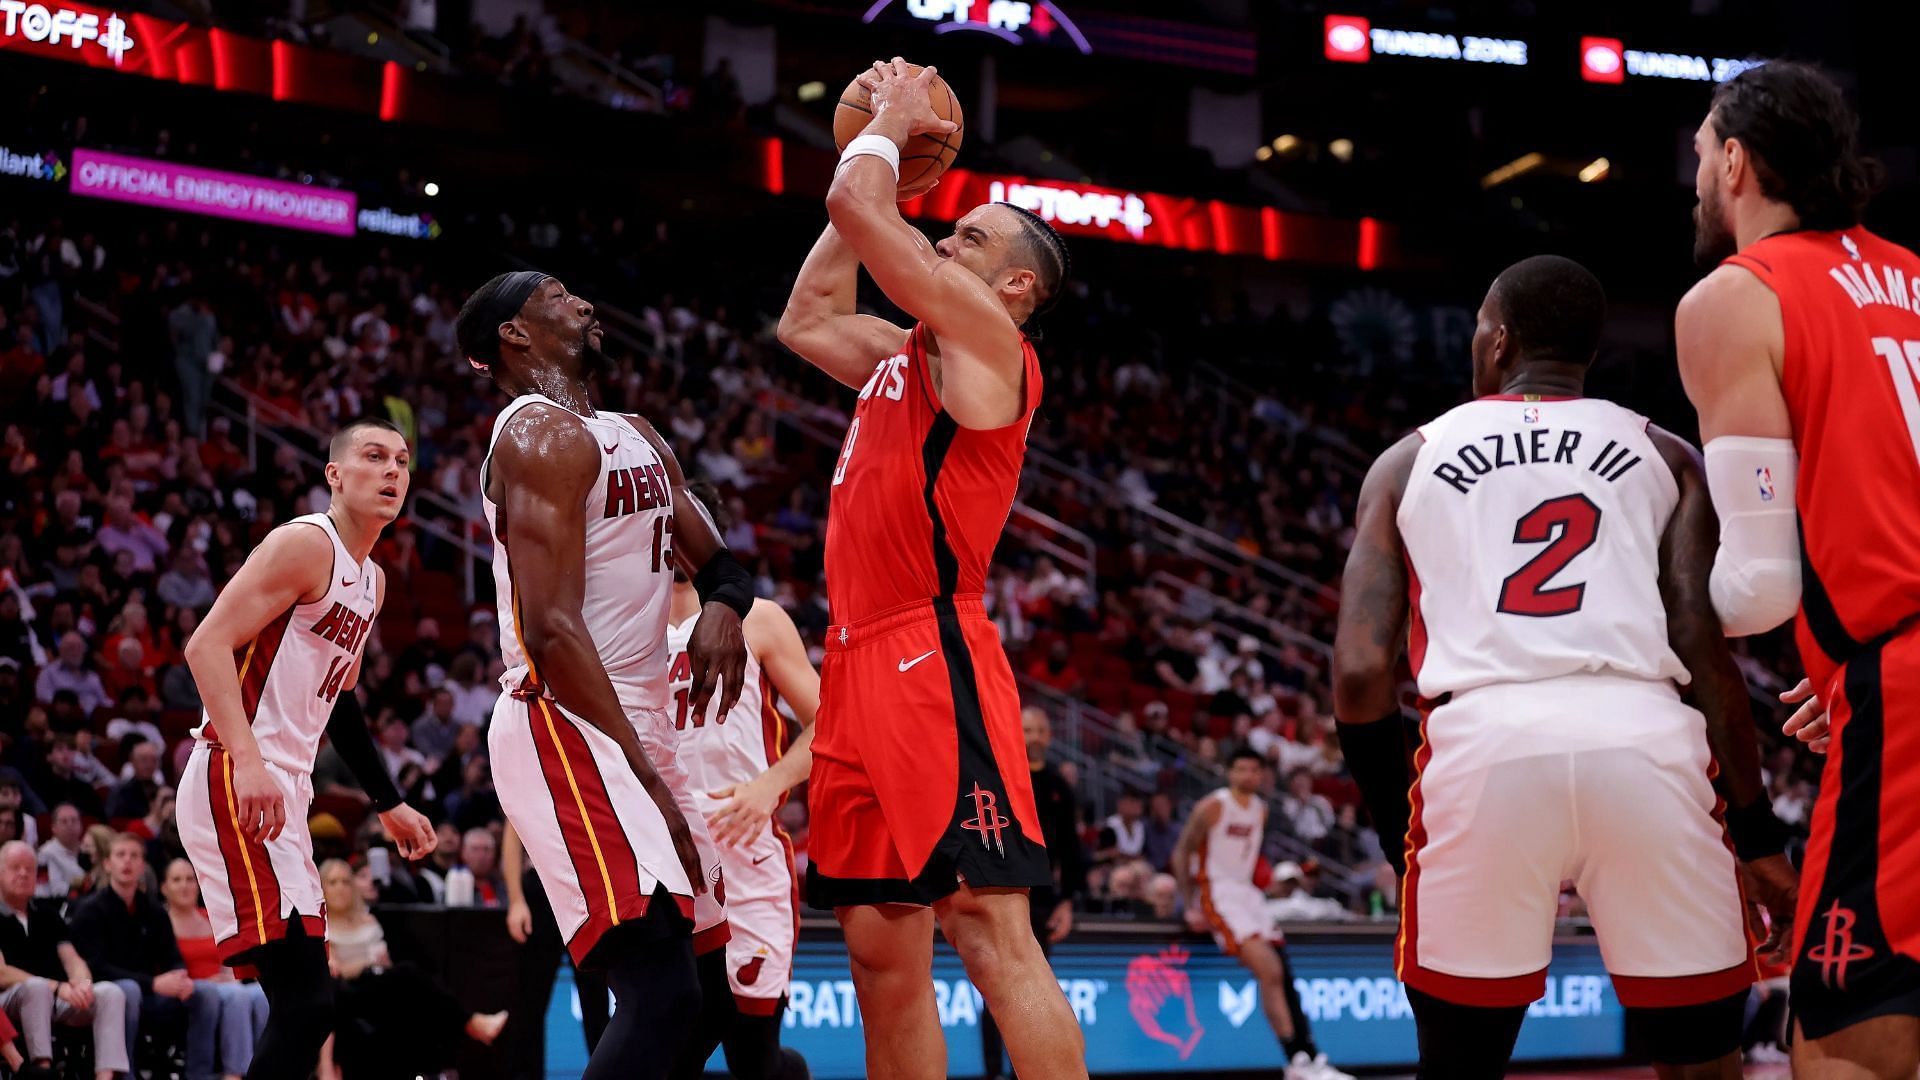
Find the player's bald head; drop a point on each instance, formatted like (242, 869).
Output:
(1552, 307)
(343, 440)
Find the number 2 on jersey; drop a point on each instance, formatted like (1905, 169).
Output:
(1568, 526)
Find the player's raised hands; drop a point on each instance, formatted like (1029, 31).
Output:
(718, 652)
(411, 831)
(895, 86)
(1809, 722)
(749, 807)
(262, 806)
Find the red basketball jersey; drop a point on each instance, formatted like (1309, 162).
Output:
(1850, 303)
(918, 501)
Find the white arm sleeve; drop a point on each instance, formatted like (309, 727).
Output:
(1756, 573)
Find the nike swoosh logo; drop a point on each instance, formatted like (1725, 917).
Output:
(611, 449)
(762, 859)
(345, 584)
(906, 663)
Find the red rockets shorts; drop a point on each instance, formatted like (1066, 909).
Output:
(919, 777)
(1857, 934)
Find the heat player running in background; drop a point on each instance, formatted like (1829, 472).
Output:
(276, 662)
(1801, 352)
(920, 796)
(588, 511)
(1554, 551)
(1214, 862)
(740, 769)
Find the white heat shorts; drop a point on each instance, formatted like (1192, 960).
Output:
(763, 912)
(1600, 780)
(1236, 912)
(253, 890)
(595, 836)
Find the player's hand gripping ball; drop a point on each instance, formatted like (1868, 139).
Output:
(926, 99)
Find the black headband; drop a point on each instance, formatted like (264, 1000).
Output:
(478, 327)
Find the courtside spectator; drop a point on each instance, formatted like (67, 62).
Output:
(45, 980)
(126, 937)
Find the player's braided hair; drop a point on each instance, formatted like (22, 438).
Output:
(1046, 242)
(1803, 137)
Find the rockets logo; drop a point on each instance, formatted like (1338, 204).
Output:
(1155, 979)
(986, 819)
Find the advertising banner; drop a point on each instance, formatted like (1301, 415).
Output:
(174, 186)
(1151, 1007)
(1160, 220)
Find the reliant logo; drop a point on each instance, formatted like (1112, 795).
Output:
(1071, 207)
(387, 222)
(31, 166)
(53, 26)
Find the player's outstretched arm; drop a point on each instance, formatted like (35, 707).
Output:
(1717, 688)
(347, 729)
(1366, 648)
(981, 359)
(543, 465)
(1731, 342)
(718, 647)
(293, 565)
(1193, 837)
(783, 656)
(821, 323)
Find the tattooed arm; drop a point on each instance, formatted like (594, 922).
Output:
(1366, 648)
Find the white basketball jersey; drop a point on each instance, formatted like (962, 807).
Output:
(1233, 844)
(292, 671)
(716, 750)
(1533, 527)
(629, 561)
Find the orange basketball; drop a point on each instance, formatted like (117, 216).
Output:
(924, 157)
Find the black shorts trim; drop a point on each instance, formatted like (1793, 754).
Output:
(1816, 606)
(1847, 971)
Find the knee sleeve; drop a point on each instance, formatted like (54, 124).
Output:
(1464, 1042)
(1688, 1034)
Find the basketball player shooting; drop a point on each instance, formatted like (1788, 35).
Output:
(276, 662)
(588, 511)
(922, 805)
(1801, 351)
(1554, 551)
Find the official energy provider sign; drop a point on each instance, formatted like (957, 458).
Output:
(192, 190)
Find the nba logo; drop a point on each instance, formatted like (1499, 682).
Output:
(1530, 414)
(1853, 249)
(1763, 476)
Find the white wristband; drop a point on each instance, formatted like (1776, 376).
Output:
(875, 146)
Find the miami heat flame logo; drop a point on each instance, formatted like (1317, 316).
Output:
(750, 971)
(1153, 980)
(986, 819)
(1838, 950)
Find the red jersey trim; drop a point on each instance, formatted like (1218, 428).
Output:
(1530, 397)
